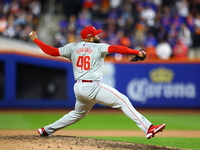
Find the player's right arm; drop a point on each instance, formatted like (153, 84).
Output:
(50, 50)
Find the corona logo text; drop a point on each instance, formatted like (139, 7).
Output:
(142, 89)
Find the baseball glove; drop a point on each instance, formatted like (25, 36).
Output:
(138, 58)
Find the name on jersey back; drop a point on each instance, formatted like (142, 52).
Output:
(81, 50)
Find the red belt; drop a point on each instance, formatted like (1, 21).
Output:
(85, 81)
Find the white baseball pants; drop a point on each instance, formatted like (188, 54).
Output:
(90, 93)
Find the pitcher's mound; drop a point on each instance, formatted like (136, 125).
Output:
(33, 142)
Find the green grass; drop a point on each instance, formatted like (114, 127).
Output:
(98, 121)
(112, 122)
(188, 143)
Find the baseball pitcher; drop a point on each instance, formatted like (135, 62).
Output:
(87, 59)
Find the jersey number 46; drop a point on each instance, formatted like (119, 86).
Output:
(83, 62)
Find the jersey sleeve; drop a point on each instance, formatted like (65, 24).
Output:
(65, 51)
(104, 49)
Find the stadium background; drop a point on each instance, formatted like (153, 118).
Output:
(31, 79)
(34, 86)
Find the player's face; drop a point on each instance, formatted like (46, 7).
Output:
(96, 39)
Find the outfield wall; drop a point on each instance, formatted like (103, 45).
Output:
(35, 80)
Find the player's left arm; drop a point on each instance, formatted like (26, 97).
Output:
(50, 50)
(140, 54)
(124, 50)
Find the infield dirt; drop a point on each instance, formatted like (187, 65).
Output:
(75, 140)
(33, 142)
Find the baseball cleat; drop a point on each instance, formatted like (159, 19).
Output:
(154, 129)
(42, 132)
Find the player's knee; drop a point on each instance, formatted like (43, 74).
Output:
(122, 102)
(79, 115)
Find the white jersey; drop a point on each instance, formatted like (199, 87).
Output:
(87, 59)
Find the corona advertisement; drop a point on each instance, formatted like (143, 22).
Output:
(166, 86)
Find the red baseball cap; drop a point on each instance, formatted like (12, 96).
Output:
(89, 31)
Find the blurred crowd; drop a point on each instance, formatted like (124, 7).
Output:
(165, 28)
(19, 17)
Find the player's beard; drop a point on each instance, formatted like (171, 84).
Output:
(97, 41)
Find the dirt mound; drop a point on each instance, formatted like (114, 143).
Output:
(33, 142)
